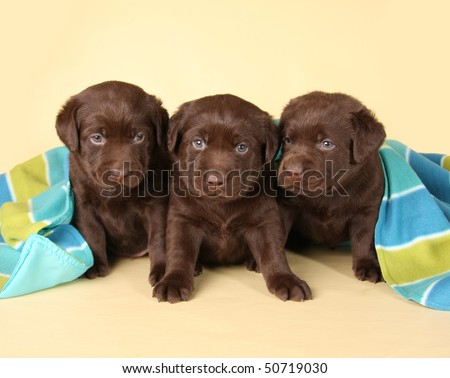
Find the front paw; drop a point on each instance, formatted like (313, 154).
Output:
(289, 287)
(97, 270)
(368, 270)
(252, 265)
(198, 269)
(156, 273)
(174, 288)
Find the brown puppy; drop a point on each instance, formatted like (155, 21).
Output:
(218, 210)
(332, 174)
(115, 133)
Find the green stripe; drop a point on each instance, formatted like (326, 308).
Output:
(16, 223)
(415, 262)
(446, 163)
(29, 179)
(3, 280)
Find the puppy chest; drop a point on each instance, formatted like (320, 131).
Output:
(125, 234)
(324, 228)
(223, 246)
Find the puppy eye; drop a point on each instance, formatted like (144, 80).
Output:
(199, 144)
(327, 145)
(241, 148)
(287, 140)
(97, 139)
(138, 138)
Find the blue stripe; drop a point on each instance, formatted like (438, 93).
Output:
(407, 218)
(438, 296)
(398, 173)
(435, 158)
(57, 165)
(435, 178)
(400, 148)
(431, 292)
(5, 192)
(445, 208)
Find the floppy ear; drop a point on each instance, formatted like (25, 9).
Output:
(368, 134)
(160, 119)
(176, 123)
(272, 140)
(67, 126)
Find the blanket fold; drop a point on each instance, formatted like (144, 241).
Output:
(412, 235)
(38, 247)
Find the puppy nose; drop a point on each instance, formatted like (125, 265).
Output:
(214, 179)
(294, 171)
(118, 174)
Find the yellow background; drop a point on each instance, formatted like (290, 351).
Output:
(393, 55)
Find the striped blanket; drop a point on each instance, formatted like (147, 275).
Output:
(412, 236)
(38, 247)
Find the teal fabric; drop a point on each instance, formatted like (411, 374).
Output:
(39, 248)
(412, 235)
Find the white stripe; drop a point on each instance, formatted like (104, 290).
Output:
(427, 292)
(10, 187)
(47, 170)
(31, 215)
(30, 211)
(404, 193)
(416, 282)
(442, 160)
(414, 241)
(408, 154)
(76, 248)
(18, 244)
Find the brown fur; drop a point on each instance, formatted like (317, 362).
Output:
(333, 191)
(115, 133)
(218, 218)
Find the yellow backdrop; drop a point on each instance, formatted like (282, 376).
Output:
(392, 55)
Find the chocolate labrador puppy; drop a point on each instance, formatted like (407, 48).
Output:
(116, 136)
(218, 210)
(331, 174)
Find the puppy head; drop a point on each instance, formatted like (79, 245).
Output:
(112, 130)
(220, 144)
(325, 135)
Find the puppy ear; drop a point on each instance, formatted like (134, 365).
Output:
(67, 126)
(368, 134)
(175, 126)
(160, 120)
(272, 140)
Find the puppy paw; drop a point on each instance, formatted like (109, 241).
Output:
(156, 273)
(95, 271)
(289, 287)
(368, 270)
(173, 288)
(198, 269)
(251, 265)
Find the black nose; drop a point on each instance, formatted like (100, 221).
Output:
(214, 179)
